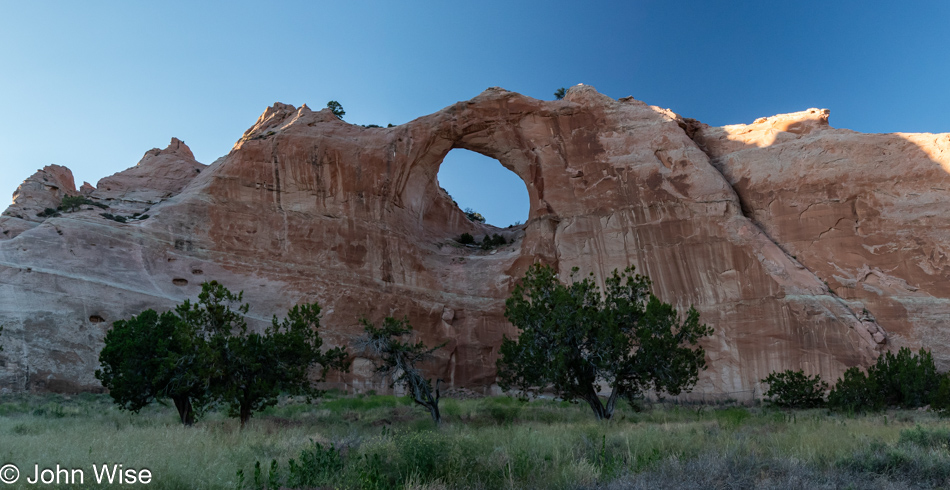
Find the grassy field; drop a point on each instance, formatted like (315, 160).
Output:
(384, 442)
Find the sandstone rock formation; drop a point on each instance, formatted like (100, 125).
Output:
(803, 246)
(866, 213)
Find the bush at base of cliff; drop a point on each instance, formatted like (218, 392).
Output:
(793, 389)
(904, 380)
(855, 392)
(940, 402)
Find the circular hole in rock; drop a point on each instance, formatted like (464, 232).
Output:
(180, 282)
(482, 185)
(197, 272)
(96, 319)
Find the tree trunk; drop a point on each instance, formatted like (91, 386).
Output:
(423, 396)
(595, 404)
(245, 415)
(185, 411)
(246, 404)
(434, 411)
(612, 402)
(436, 416)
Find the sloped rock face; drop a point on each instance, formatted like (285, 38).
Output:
(160, 174)
(866, 213)
(43, 190)
(310, 208)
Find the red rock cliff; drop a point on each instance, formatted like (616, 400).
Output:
(307, 207)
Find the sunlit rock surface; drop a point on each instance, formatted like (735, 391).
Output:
(805, 247)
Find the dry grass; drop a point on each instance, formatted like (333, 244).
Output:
(384, 442)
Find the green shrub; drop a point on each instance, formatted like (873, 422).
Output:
(124, 219)
(114, 217)
(504, 411)
(474, 216)
(364, 403)
(926, 438)
(855, 392)
(906, 380)
(493, 241)
(732, 416)
(73, 203)
(940, 402)
(48, 213)
(908, 462)
(793, 389)
(422, 454)
(316, 466)
(466, 239)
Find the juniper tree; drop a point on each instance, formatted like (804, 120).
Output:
(154, 356)
(399, 360)
(336, 108)
(574, 339)
(203, 353)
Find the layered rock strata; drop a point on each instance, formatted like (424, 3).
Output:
(757, 226)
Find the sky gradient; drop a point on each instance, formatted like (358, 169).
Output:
(94, 85)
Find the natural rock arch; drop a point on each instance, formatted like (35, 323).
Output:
(307, 207)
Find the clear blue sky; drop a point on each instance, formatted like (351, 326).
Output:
(93, 85)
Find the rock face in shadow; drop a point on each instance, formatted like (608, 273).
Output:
(307, 207)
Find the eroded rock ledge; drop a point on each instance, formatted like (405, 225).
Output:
(803, 245)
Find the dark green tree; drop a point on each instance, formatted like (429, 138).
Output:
(204, 353)
(906, 380)
(575, 337)
(150, 357)
(855, 391)
(793, 389)
(73, 203)
(400, 359)
(258, 367)
(336, 109)
(940, 402)
(560, 93)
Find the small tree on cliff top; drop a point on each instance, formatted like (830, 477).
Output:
(336, 108)
(573, 338)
